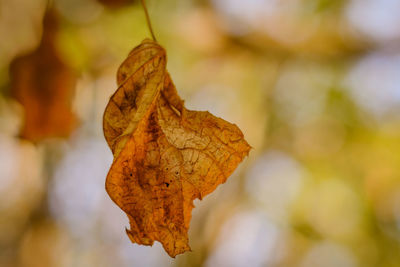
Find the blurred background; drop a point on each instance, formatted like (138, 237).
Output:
(313, 84)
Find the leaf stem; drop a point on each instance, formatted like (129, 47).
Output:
(148, 20)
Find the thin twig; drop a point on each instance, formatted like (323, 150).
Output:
(148, 20)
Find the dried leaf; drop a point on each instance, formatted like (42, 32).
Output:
(165, 156)
(44, 85)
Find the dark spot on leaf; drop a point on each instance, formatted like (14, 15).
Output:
(167, 184)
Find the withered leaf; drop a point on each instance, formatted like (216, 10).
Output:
(44, 85)
(165, 156)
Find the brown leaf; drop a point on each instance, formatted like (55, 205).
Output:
(165, 156)
(44, 86)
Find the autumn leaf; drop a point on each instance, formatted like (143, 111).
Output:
(44, 85)
(165, 156)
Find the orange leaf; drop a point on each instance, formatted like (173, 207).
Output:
(44, 86)
(165, 156)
